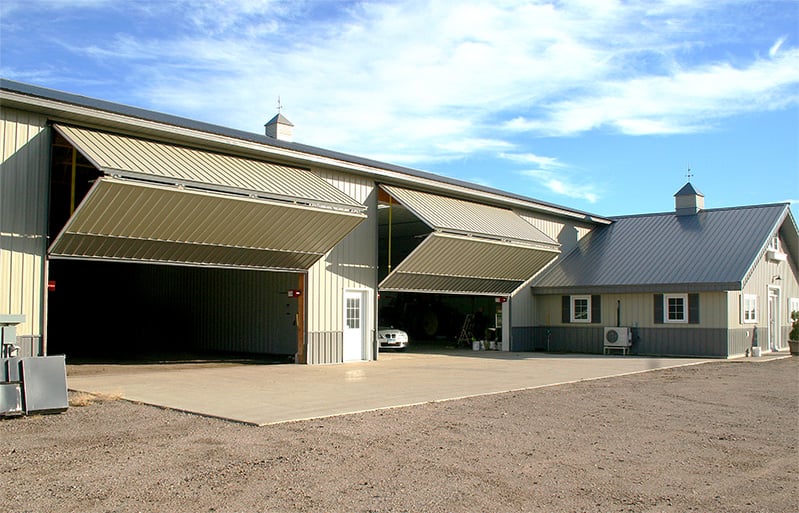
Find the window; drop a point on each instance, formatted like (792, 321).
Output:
(774, 243)
(674, 305)
(353, 313)
(793, 305)
(581, 308)
(676, 308)
(748, 308)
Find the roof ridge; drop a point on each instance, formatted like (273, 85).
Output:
(144, 114)
(718, 209)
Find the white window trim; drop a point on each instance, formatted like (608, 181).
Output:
(572, 299)
(774, 244)
(684, 298)
(746, 298)
(793, 305)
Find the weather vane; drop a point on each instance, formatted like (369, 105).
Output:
(279, 105)
(689, 175)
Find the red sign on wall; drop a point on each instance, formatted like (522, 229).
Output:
(51, 286)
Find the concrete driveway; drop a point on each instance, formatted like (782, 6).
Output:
(268, 394)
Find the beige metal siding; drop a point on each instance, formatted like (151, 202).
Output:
(763, 276)
(565, 231)
(23, 217)
(117, 154)
(351, 264)
(636, 310)
(124, 220)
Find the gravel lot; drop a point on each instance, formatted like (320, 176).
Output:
(715, 437)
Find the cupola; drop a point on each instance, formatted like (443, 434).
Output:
(280, 128)
(688, 201)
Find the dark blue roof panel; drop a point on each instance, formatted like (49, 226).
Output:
(712, 250)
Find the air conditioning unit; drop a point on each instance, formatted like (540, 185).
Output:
(618, 337)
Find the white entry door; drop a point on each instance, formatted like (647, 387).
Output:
(774, 342)
(353, 325)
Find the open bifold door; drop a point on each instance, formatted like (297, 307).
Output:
(124, 220)
(472, 249)
(183, 206)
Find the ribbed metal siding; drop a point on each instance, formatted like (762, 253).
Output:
(164, 309)
(123, 220)
(351, 264)
(448, 262)
(694, 342)
(563, 230)
(762, 276)
(325, 347)
(242, 311)
(636, 310)
(113, 153)
(450, 214)
(23, 219)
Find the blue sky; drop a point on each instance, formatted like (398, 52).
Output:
(597, 105)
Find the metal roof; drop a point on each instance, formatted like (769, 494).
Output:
(711, 250)
(27, 95)
(458, 216)
(688, 190)
(457, 264)
(138, 158)
(127, 220)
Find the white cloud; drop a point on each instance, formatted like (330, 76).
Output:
(772, 52)
(685, 101)
(532, 158)
(556, 176)
(440, 80)
(563, 185)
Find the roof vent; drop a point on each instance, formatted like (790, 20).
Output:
(688, 201)
(280, 128)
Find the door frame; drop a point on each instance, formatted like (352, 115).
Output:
(363, 294)
(773, 310)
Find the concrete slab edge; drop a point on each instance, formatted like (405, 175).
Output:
(367, 410)
(418, 403)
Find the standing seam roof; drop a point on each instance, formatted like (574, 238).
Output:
(714, 247)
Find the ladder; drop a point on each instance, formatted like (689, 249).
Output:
(465, 338)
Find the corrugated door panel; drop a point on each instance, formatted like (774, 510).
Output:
(125, 220)
(122, 155)
(460, 216)
(458, 264)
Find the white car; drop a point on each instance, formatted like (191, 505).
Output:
(390, 338)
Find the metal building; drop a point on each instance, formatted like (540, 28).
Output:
(125, 231)
(692, 282)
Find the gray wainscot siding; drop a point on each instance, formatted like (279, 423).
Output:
(701, 342)
(325, 347)
(664, 341)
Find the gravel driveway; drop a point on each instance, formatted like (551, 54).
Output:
(719, 437)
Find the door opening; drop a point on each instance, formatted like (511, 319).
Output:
(354, 302)
(774, 338)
